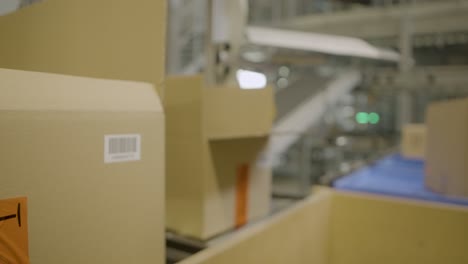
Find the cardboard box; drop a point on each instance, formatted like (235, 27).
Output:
(111, 39)
(413, 141)
(214, 136)
(447, 147)
(89, 156)
(333, 227)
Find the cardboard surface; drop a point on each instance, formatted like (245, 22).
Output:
(369, 229)
(14, 231)
(224, 159)
(447, 147)
(413, 141)
(112, 39)
(336, 227)
(231, 112)
(108, 95)
(209, 135)
(80, 208)
(300, 235)
(184, 158)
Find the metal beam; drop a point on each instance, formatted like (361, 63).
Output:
(372, 23)
(315, 42)
(449, 77)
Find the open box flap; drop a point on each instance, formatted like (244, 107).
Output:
(231, 112)
(23, 91)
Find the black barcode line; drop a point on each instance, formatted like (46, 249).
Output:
(122, 145)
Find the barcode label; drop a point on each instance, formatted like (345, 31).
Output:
(121, 148)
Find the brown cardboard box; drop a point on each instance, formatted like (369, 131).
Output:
(89, 156)
(214, 136)
(334, 227)
(447, 147)
(413, 141)
(111, 39)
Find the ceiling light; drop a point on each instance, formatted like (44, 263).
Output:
(251, 80)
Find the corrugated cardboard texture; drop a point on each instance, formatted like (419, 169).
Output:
(112, 39)
(447, 147)
(332, 227)
(201, 171)
(413, 141)
(82, 210)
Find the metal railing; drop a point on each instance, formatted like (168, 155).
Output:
(273, 11)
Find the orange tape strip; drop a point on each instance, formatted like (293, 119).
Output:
(242, 186)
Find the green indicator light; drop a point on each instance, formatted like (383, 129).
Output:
(362, 118)
(374, 118)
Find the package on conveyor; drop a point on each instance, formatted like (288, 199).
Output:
(335, 227)
(447, 147)
(413, 141)
(81, 170)
(214, 137)
(110, 39)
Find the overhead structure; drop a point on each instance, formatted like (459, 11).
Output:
(317, 42)
(430, 17)
(185, 36)
(229, 37)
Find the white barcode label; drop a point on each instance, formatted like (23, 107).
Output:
(122, 148)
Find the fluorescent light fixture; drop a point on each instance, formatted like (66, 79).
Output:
(251, 80)
(322, 43)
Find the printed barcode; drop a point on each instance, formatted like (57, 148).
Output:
(122, 145)
(120, 148)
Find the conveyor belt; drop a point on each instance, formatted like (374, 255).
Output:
(180, 247)
(394, 176)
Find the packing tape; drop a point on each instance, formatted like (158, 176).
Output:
(242, 190)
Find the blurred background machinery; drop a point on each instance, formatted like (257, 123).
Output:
(368, 98)
(338, 108)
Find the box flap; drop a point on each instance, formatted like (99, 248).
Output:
(22, 91)
(446, 146)
(184, 154)
(231, 112)
(111, 39)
